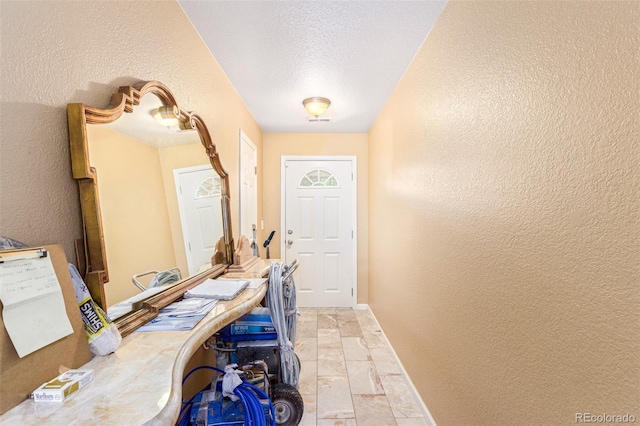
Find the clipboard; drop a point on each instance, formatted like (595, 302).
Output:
(21, 376)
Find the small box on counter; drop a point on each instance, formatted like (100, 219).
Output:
(63, 386)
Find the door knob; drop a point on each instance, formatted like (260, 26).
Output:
(290, 231)
(289, 242)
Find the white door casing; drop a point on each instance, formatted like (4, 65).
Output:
(198, 191)
(319, 228)
(248, 186)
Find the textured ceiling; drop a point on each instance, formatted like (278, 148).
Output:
(276, 53)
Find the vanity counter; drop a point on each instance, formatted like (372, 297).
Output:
(142, 380)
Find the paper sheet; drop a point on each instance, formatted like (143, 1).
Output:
(217, 289)
(253, 282)
(182, 315)
(34, 312)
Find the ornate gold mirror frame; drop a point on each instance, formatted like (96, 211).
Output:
(96, 273)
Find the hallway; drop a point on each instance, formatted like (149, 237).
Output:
(349, 375)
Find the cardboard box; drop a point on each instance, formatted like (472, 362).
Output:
(63, 386)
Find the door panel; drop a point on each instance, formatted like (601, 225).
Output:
(331, 216)
(319, 223)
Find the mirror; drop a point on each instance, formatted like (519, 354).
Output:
(154, 200)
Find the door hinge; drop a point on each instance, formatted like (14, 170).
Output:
(255, 170)
(180, 189)
(351, 291)
(189, 246)
(352, 234)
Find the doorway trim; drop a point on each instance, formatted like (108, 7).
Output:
(354, 201)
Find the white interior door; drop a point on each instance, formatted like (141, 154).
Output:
(198, 190)
(248, 186)
(319, 228)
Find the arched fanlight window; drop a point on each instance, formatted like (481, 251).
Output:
(319, 178)
(210, 187)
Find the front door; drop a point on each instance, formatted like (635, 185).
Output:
(319, 227)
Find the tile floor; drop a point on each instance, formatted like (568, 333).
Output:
(348, 374)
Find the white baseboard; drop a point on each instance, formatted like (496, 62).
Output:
(425, 411)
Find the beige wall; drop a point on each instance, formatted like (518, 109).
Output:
(278, 144)
(135, 215)
(504, 213)
(55, 53)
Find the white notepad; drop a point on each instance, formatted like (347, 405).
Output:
(218, 289)
(33, 312)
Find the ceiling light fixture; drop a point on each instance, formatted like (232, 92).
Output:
(316, 106)
(166, 115)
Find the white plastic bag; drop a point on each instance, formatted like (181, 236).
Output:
(230, 381)
(103, 335)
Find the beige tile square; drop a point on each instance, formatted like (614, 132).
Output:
(308, 383)
(329, 338)
(307, 348)
(331, 362)
(327, 321)
(307, 329)
(372, 410)
(401, 397)
(411, 421)
(334, 398)
(355, 348)
(387, 368)
(363, 378)
(368, 322)
(326, 311)
(346, 314)
(337, 422)
(308, 314)
(310, 410)
(374, 339)
(349, 328)
(366, 318)
(382, 354)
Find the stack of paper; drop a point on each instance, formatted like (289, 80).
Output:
(253, 282)
(218, 289)
(182, 315)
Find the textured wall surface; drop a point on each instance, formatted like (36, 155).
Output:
(504, 201)
(278, 144)
(55, 53)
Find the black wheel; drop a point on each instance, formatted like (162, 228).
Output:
(287, 404)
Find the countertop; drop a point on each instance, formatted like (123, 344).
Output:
(142, 379)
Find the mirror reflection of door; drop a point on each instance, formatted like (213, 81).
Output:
(248, 187)
(198, 191)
